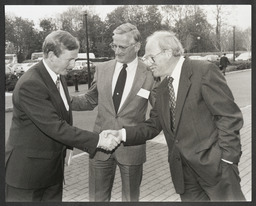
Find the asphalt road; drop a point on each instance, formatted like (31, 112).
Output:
(239, 83)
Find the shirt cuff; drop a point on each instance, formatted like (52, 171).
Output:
(101, 135)
(123, 134)
(227, 161)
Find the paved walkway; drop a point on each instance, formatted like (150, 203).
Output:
(156, 184)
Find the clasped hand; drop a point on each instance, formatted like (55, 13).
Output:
(109, 139)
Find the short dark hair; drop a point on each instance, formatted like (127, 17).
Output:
(59, 40)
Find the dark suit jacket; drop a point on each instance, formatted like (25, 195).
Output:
(207, 123)
(40, 132)
(224, 61)
(132, 112)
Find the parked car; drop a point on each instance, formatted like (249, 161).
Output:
(230, 56)
(8, 69)
(17, 68)
(211, 57)
(196, 57)
(82, 64)
(80, 72)
(244, 56)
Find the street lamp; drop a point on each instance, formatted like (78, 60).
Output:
(84, 10)
(198, 42)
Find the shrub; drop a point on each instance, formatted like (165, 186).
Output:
(10, 82)
(81, 75)
(237, 65)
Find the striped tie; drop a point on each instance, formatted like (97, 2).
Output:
(58, 83)
(172, 102)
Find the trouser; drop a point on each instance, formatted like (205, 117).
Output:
(224, 70)
(227, 189)
(48, 194)
(102, 175)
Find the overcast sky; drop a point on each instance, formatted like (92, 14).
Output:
(241, 14)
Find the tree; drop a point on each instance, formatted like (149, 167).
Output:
(147, 19)
(247, 39)
(20, 33)
(193, 30)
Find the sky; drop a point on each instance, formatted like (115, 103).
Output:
(240, 16)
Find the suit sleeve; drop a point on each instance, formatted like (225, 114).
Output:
(35, 101)
(89, 100)
(152, 97)
(147, 130)
(227, 115)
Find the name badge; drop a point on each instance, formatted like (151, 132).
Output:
(143, 93)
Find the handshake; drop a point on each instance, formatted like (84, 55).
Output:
(110, 139)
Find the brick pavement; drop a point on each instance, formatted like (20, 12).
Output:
(156, 184)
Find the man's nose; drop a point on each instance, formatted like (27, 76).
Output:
(72, 64)
(117, 50)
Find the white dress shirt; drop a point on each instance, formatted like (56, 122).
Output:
(131, 71)
(54, 77)
(176, 75)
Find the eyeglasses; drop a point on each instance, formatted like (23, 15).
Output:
(121, 48)
(149, 60)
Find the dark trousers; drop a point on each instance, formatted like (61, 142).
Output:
(227, 189)
(48, 194)
(102, 175)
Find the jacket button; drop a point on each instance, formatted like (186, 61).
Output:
(176, 141)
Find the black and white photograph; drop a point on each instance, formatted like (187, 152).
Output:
(128, 103)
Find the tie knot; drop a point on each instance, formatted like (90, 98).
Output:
(58, 80)
(124, 66)
(170, 79)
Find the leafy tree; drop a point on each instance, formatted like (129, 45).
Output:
(147, 19)
(20, 33)
(247, 41)
(194, 31)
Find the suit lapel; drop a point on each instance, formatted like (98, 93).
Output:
(184, 86)
(54, 91)
(138, 81)
(108, 78)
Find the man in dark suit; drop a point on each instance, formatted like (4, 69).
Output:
(201, 122)
(133, 103)
(41, 126)
(224, 63)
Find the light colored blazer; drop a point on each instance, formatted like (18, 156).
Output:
(207, 122)
(132, 112)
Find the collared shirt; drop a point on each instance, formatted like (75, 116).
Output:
(54, 77)
(176, 75)
(131, 71)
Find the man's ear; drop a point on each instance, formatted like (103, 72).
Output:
(137, 46)
(51, 55)
(168, 53)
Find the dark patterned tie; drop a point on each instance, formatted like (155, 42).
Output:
(58, 83)
(172, 102)
(117, 96)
